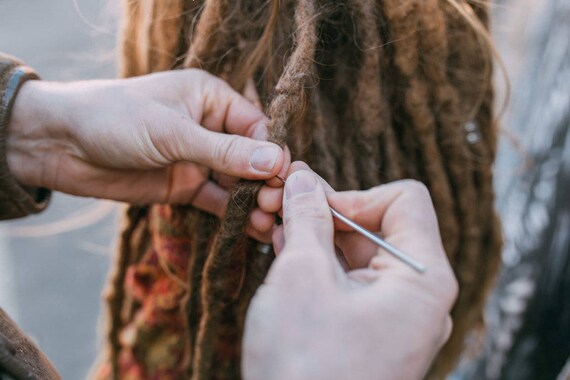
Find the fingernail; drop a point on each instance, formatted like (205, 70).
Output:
(299, 183)
(260, 133)
(264, 158)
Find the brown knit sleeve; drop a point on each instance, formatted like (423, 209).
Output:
(20, 358)
(15, 200)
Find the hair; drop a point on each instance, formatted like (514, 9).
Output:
(366, 92)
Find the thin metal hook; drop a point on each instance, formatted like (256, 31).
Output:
(419, 267)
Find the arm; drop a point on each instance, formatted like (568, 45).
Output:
(181, 137)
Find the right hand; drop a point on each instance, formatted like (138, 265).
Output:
(378, 318)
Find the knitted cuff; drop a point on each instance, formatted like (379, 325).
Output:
(15, 200)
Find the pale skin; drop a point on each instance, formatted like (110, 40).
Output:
(364, 314)
(157, 138)
(332, 306)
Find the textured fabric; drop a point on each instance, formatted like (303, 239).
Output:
(153, 335)
(19, 357)
(15, 200)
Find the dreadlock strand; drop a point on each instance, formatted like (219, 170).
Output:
(468, 306)
(191, 12)
(290, 95)
(222, 276)
(202, 231)
(163, 30)
(320, 154)
(416, 107)
(115, 295)
(132, 62)
(340, 88)
(218, 283)
(366, 92)
(208, 37)
(369, 102)
(399, 31)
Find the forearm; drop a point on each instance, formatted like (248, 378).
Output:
(16, 199)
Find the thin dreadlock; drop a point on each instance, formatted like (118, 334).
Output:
(365, 92)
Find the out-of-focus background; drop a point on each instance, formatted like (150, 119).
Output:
(51, 281)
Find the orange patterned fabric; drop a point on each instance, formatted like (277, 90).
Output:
(153, 342)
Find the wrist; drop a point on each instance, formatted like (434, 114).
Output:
(32, 129)
(16, 199)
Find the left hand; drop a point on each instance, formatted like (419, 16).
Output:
(150, 139)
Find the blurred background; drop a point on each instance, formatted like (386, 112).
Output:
(53, 266)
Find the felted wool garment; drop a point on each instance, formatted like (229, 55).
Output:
(366, 92)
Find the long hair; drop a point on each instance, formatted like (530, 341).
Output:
(366, 92)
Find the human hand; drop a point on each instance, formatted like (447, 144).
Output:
(378, 318)
(150, 139)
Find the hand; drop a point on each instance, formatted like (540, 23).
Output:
(150, 139)
(378, 318)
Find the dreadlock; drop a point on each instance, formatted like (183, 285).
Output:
(366, 92)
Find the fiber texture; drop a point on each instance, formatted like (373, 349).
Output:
(366, 92)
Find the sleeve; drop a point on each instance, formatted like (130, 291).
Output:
(15, 200)
(20, 358)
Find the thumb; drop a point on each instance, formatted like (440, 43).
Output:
(240, 156)
(308, 252)
(229, 154)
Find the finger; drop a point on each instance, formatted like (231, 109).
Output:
(187, 184)
(263, 237)
(233, 155)
(261, 133)
(278, 239)
(276, 182)
(301, 165)
(262, 221)
(225, 110)
(179, 184)
(270, 199)
(402, 211)
(211, 198)
(250, 93)
(184, 181)
(358, 251)
(225, 181)
(342, 260)
(308, 231)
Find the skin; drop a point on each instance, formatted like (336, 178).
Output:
(332, 306)
(158, 138)
(335, 307)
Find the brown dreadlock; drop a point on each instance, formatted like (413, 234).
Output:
(366, 92)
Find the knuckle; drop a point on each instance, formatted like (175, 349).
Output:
(306, 210)
(416, 187)
(449, 287)
(193, 73)
(453, 287)
(354, 204)
(447, 329)
(225, 151)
